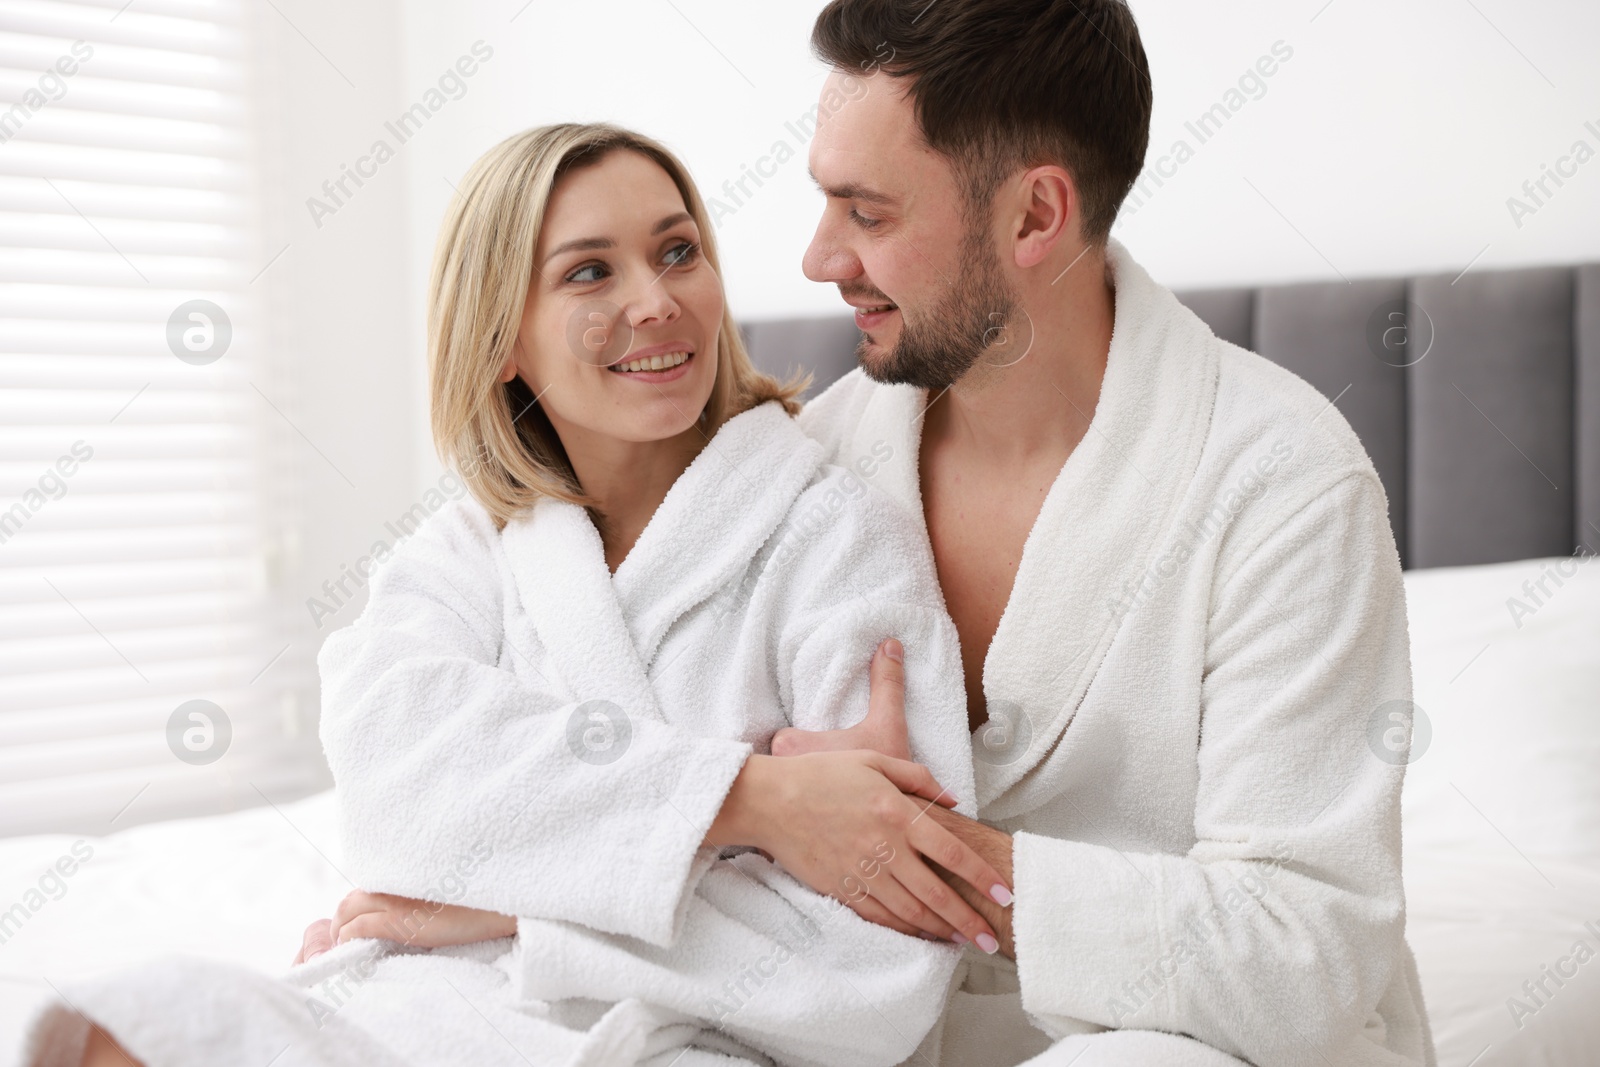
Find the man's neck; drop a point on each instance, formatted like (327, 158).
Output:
(1011, 407)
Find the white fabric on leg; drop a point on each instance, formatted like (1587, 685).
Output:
(1131, 1048)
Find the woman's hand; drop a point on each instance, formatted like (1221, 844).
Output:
(836, 811)
(844, 824)
(423, 923)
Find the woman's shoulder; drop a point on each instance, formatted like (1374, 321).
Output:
(445, 526)
(843, 523)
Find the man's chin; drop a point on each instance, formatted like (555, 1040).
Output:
(878, 362)
(891, 366)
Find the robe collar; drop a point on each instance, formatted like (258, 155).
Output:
(603, 630)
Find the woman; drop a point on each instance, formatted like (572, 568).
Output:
(557, 703)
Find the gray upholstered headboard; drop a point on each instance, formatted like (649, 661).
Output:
(1477, 397)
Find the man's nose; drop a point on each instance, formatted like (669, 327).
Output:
(826, 259)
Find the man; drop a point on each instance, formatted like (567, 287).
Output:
(1169, 562)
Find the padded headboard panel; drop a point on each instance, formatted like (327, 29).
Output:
(1477, 397)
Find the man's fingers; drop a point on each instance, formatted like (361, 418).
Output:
(957, 857)
(376, 924)
(354, 903)
(792, 742)
(315, 941)
(888, 680)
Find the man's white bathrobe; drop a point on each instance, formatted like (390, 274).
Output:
(513, 727)
(1207, 618)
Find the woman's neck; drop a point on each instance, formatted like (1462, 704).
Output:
(628, 480)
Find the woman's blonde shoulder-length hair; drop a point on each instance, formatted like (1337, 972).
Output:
(495, 434)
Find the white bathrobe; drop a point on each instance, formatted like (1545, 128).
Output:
(1207, 626)
(513, 727)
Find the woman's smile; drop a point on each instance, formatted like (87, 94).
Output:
(657, 364)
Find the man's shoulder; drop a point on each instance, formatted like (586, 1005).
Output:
(1261, 404)
(1278, 447)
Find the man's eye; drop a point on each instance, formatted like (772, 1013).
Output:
(682, 254)
(587, 274)
(863, 221)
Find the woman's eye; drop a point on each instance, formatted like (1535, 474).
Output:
(587, 274)
(682, 254)
(863, 221)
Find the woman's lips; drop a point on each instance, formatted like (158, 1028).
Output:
(654, 377)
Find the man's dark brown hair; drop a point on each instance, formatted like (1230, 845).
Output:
(1002, 85)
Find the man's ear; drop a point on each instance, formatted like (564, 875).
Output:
(1048, 201)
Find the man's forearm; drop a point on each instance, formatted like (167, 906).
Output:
(994, 846)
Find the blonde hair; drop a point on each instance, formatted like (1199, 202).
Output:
(494, 433)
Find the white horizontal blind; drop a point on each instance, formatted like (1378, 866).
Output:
(134, 573)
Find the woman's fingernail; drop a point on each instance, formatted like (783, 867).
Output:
(988, 944)
(926, 936)
(1000, 894)
(959, 938)
(892, 649)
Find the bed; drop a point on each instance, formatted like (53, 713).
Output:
(1502, 799)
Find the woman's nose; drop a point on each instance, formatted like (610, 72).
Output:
(651, 303)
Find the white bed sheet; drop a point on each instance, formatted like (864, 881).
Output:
(238, 887)
(1502, 809)
(1502, 842)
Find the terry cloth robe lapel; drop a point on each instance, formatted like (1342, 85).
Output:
(713, 521)
(1097, 532)
(602, 629)
(559, 565)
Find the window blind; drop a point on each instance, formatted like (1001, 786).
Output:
(136, 423)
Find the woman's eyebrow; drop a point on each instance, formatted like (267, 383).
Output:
(589, 244)
(670, 221)
(581, 244)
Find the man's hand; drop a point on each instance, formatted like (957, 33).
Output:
(883, 729)
(995, 847)
(314, 942)
(426, 924)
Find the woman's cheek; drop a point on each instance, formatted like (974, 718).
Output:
(708, 298)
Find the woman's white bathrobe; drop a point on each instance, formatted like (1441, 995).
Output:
(1207, 623)
(513, 727)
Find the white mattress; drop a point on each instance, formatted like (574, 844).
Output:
(1502, 842)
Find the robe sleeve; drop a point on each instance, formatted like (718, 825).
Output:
(460, 782)
(1275, 937)
(854, 570)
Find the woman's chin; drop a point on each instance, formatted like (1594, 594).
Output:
(660, 419)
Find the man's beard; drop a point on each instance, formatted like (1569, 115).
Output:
(938, 349)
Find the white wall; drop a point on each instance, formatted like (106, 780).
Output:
(346, 365)
(1390, 140)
